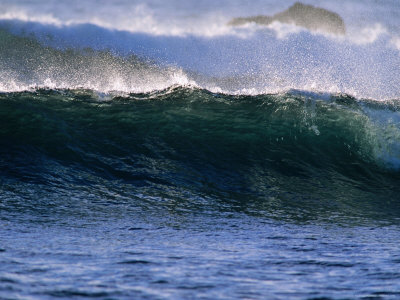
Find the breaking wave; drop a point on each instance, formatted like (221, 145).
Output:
(254, 112)
(322, 150)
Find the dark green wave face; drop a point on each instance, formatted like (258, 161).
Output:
(292, 156)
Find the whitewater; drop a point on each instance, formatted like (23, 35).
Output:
(199, 149)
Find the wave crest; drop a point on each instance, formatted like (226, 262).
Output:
(26, 64)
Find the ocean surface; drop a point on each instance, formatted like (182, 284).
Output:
(150, 150)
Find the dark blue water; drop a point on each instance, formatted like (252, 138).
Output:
(123, 254)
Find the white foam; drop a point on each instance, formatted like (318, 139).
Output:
(21, 15)
(395, 41)
(137, 19)
(367, 35)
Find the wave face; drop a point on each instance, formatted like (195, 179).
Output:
(301, 153)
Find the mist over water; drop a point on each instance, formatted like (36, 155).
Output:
(197, 40)
(152, 150)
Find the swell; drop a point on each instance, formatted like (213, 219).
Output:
(292, 153)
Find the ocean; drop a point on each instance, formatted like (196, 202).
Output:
(187, 150)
